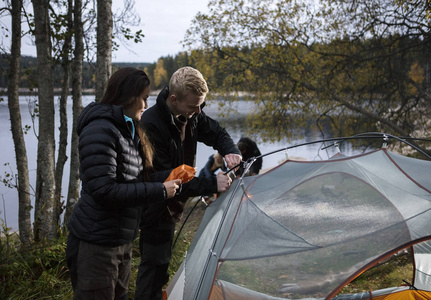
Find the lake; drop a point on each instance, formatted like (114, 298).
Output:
(233, 124)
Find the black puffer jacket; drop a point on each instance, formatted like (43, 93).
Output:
(166, 138)
(113, 193)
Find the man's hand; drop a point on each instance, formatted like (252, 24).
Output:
(171, 187)
(223, 182)
(233, 160)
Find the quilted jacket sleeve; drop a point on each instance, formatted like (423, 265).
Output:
(111, 168)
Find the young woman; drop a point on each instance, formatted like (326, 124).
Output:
(117, 184)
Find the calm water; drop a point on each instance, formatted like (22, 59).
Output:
(9, 197)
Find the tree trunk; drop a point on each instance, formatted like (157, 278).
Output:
(104, 45)
(45, 226)
(74, 181)
(24, 210)
(62, 156)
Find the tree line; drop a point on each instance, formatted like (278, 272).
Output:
(350, 65)
(159, 72)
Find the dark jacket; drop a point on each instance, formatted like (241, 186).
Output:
(249, 149)
(113, 193)
(169, 153)
(206, 170)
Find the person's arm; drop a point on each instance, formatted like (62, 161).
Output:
(212, 134)
(159, 176)
(200, 186)
(206, 170)
(98, 154)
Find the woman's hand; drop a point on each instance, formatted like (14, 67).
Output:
(171, 187)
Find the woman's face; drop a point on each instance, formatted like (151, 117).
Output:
(135, 112)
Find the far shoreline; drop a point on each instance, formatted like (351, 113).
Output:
(57, 91)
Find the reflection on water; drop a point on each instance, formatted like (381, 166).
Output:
(235, 123)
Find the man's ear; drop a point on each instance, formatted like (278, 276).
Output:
(173, 98)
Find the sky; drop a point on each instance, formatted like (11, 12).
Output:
(163, 22)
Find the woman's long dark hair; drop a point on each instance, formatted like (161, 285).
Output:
(124, 88)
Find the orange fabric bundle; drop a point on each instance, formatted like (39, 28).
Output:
(183, 172)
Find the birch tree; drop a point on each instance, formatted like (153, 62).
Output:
(45, 225)
(74, 181)
(104, 45)
(24, 209)
(64, 42)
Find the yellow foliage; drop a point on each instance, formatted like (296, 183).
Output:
(416, 73)
(160, 74)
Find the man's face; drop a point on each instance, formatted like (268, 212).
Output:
(188, 105)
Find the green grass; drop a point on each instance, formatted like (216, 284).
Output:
(40, 271)
(388, 274)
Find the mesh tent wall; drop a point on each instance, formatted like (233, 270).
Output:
(305, 229)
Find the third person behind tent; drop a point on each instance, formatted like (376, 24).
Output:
(249, 149)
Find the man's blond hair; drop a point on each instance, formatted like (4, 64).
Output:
(187, 79)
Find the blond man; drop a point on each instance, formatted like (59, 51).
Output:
(175, 124)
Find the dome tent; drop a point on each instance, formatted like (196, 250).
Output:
(305, 229)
